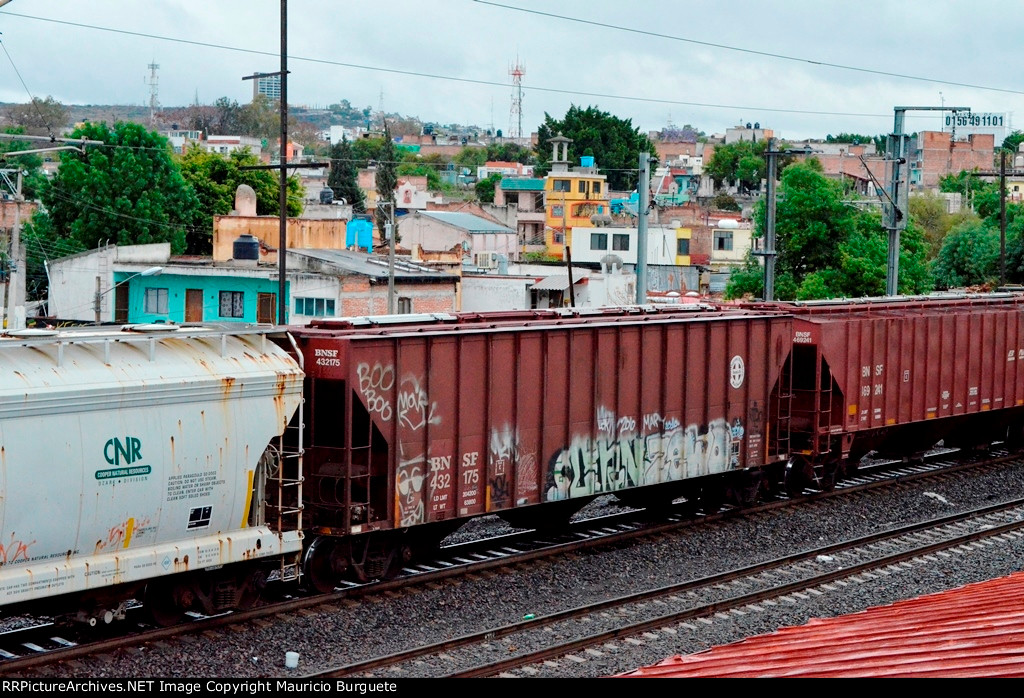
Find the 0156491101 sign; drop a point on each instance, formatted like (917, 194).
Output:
(993, 120)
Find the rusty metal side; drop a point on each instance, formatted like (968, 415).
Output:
(486, 420)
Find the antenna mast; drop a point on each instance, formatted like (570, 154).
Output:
(153, 83)
(516, 113)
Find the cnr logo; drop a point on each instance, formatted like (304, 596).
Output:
(128, 451)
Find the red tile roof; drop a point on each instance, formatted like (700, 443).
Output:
(973, 631)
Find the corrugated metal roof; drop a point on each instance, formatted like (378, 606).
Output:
(556, 283)
(467, 221)
(522, 184)
(973, 631)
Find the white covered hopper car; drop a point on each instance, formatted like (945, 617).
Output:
(138, 463)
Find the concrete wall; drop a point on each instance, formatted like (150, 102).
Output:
(359, 297)
(483, 293)
(302, 233)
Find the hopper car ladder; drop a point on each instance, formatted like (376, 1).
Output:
(286, 479)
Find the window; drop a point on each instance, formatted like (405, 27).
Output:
(404, 305)
(561, 185)
(231, 304)
(597, 187)
(599, 241)
(588, 209)
(155, 302)
(683, 246)
(723, 240)
(582, 187)
(556, 211)
(559, 237)
(314, 307)
(620, 241)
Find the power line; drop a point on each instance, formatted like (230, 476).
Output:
(31, 97)
(472, 81)
(739, 49)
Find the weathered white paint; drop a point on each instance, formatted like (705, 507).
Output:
(113, 441)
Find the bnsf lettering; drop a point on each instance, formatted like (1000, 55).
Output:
(802, 338)
(325, 352)
(127, 452)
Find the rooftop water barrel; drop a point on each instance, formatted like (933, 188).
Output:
(246, 248)
(587, 161)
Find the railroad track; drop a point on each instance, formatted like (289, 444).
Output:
(46, 643)
(679, 603)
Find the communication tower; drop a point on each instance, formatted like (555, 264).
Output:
(516, 113)
(153, 82)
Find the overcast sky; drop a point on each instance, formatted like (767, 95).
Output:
(975, 44)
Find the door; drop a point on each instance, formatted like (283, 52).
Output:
(121, 297)
(193, 305)
(266, 307)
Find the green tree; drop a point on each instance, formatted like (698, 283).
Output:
(1013, 141)
(741, 163)
(928, 211)
(969, 256)
(471, 157)
(724, 202)
(343, 178)
(615, 143)
(30, 165)
(261, 118)
(386, 180)
(372, 150)
(485, 188)
(129, 192)
(828, 249)
(216, 178)
(509, 152)
(417, 169)
(40, 117)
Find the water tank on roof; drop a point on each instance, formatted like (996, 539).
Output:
(246, 248)
(326, 195)
(587, 161)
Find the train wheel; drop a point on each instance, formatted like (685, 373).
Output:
(712, 496)
(166, 602)
(324, 564)
(250, 588)
(799, 474)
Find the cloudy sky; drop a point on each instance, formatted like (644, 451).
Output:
(706, 63)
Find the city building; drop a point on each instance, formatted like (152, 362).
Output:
(481, 239)
(576, 197)
(526, 198)
(146, 284)
(934, 154)
(268, 86)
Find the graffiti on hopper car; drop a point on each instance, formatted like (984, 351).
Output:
(621, 456)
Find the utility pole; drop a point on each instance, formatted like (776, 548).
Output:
(769, 222)
(641, 229)
(390, 233)
(16, 277)
(1002, 216)
(282, 246)
(282, 249)
(895, 218)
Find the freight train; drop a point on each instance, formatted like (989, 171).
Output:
(187, 466)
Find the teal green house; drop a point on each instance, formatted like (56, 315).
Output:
(179, 298)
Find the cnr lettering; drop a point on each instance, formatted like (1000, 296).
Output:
(116, 452)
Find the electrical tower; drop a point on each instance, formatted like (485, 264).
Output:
(153, 83)
(516, 113)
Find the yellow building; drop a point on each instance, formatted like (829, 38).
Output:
(683, 238)
(572, 197)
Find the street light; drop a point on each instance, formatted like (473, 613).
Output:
(98, 301)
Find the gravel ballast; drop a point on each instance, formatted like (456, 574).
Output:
(352, 631)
